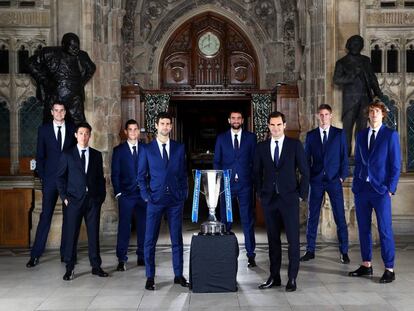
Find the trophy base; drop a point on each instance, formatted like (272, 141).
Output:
(212, 228)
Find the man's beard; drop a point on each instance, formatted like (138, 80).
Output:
(235, 126)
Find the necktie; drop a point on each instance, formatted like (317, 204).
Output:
(372, 141)
(236, 143)
(83, 159)
(135, 157)
(59, 137)
(324, 140)
(276, 155)
(164, 154)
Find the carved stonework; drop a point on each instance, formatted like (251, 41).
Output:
(396, 18)
(24, 18)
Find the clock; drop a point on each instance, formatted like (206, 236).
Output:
(208, 44)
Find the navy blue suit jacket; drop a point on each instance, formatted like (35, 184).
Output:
(241, 162)
(282, 180)
(334, 161)
(72, 180)
(48, 151)
(154, 177)
(382, 164)
(124, 172)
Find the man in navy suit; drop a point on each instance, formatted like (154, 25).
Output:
(162, 178)
(235, 150)
(326, 152)
(52, 138)
(81, 185)
(126, 190)
(276, 164)
(376, 174)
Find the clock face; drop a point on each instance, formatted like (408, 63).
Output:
(209, 44)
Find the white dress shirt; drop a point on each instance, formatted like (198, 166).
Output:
(327, 133)
(167, 147)
(130, 147)
(62, 131)
(239, 134)
(86, 156)
(376, 129)
(273, 146)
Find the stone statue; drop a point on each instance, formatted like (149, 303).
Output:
(61, 74)
(355, 75)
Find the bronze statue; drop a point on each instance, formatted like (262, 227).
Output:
(359, 86)
(61, 74)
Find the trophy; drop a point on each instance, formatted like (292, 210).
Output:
(212, 181)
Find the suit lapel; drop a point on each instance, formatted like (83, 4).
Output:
(77, 159)
(378, 138)
(364, 143)
(269, 152)
(284, 152)
(53, 135)
(68, 136)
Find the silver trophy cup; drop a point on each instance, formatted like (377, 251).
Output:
(211, 184)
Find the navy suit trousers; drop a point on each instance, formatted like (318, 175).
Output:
(336, 196)
(90, 210)
(244, 196)
(366, 201)
(174, 213)
(49, 199)
(128, 204)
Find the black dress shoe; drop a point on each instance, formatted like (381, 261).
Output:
(387, 277)
(308, 256)
(182, 281)
(361, 271)
(150, 284)
(140, 262)
(291, 285)
(345, 258)
(121, 266)
(99, 272)
(271, 281)
(69, 275)
(251, 262)
(32, 262)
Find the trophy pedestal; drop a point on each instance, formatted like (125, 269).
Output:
(212, 228)
(213, 263)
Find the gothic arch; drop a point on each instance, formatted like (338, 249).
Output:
(162, 44)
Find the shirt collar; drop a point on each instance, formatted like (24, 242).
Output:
(376, 129)
(56, 125)
(131, 145)
(80, 148)
(279, 140)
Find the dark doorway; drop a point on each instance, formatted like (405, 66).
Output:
(198, 124)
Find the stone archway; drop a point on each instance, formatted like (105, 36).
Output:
(208, 52)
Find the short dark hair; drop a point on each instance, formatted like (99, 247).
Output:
(83, 125)
(276, 114)
(325, 106)
(378, 103)
(163, 115)
(235, 111)
(58, 103)
(129, 122)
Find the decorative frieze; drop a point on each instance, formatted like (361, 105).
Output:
(394, 18)
(24, 18)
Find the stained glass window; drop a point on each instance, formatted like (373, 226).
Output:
(410, 136)
(4, 130)
(30, 115)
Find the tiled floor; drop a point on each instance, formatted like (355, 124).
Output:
(323, 283)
